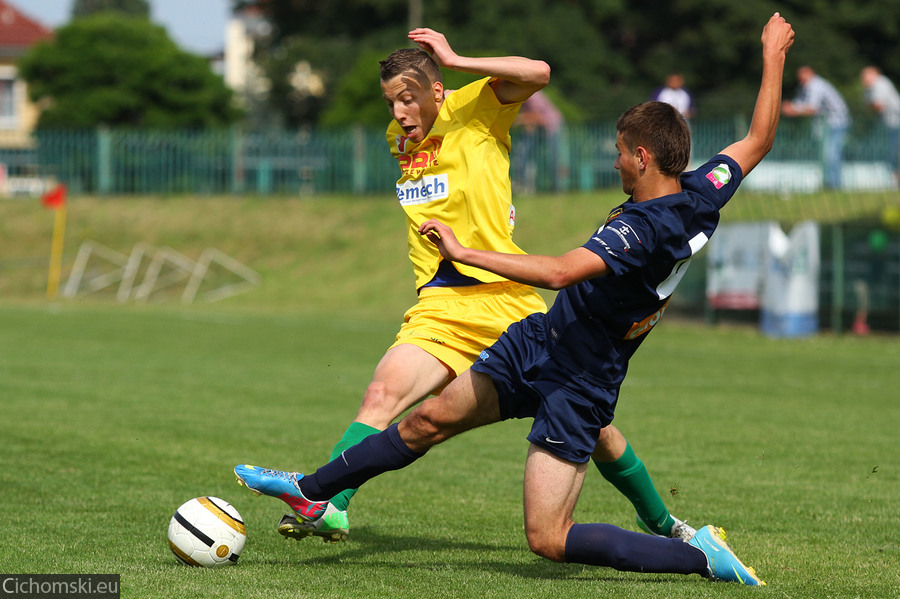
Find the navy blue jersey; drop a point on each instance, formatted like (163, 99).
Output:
(595, 327)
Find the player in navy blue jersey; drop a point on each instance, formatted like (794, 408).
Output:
(564, 368)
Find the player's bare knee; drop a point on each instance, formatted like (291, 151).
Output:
(376, 395)
(424, 425)
(546, 545)
(379, 407)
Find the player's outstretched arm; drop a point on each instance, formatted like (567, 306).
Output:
(777, 37)
(547, 272)
(519, 77)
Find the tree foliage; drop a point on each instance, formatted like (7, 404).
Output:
(605, 54)
(122, 71)
(133, 8)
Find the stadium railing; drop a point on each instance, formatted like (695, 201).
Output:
(354, 160)
(579, 158)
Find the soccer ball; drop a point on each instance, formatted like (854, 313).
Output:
(207, 532)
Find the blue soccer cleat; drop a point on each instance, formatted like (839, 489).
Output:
(282, 485)
(722, 562)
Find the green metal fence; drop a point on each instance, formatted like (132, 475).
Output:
(119, 162)
(579, 158)
(355, 160)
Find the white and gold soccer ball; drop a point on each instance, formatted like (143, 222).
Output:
(207, 532)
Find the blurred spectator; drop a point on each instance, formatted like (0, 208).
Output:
(674, 93)
(817, 97)
(882, 96)
(538, 120)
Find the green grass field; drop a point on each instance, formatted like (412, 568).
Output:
(114, 415)
(113, 418)
(334, 253)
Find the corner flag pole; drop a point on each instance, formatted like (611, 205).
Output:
(56, 201)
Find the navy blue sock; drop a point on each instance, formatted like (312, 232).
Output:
(367, 459)
(614, 547)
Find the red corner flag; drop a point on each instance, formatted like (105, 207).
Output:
(55, 198)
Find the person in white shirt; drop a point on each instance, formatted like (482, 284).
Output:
(817, 97)
(675, 94)
(882, 96)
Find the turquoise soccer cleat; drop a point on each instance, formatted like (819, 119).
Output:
(282, 485)
(333, 526)
(722, 562)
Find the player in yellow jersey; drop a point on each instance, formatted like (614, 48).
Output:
(453, 153)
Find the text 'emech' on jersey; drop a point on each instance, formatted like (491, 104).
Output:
(420, 191)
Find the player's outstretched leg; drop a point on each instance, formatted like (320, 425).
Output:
(723, 563)
(334, 525)
(282, 485)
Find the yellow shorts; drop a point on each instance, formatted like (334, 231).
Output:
(454, 324)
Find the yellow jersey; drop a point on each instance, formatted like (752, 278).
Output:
(459, 174)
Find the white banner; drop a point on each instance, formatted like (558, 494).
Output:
(736, 266)
(791, 284)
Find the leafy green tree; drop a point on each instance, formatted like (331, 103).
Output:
(134, 8)
(353, 19)
(329, 36)
(605, 54)
(112, 70)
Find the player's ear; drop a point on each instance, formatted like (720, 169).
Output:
(643, 157)
(437, 89)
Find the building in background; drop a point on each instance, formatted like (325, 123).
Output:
(18, 116)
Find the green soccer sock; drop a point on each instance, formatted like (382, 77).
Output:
(631, 478)
(356, 432)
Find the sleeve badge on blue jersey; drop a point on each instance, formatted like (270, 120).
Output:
(719, 176)
(615, 212)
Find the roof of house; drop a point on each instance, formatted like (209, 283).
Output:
(17, 31)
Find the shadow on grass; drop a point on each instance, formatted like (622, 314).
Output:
(371, 547)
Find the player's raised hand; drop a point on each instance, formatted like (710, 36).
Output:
(435, 44)
(442, 236)
(777, 35)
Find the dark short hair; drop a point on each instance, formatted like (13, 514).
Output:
(410, 59)
(661, 129)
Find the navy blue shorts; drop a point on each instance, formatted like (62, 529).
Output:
(568, 409)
